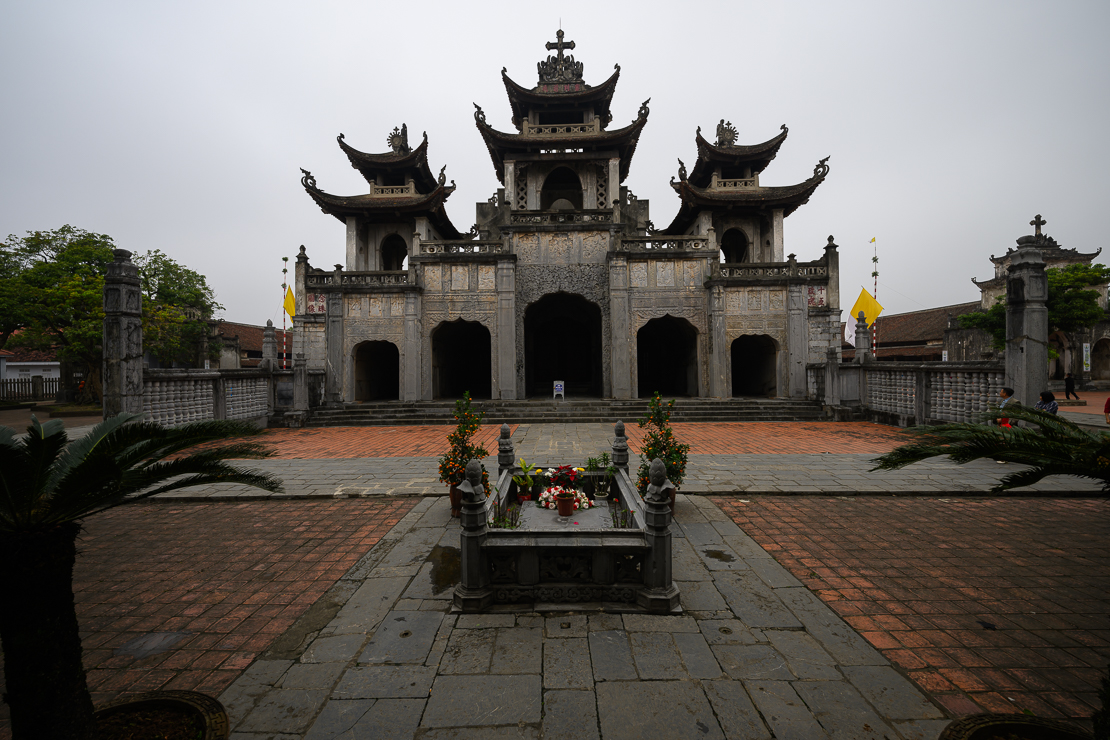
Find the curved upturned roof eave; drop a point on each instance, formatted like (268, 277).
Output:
(432, 204)
(521, 97)
(367, 163)
(625, 139)
(1074, 254)
(694, 199)
(758, 156)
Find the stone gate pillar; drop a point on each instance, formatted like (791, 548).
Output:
(620, 319)
(122, 366)
(718, 337)
(1026, 323)
(506, 328)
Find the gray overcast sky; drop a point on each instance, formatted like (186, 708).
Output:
(181, 126)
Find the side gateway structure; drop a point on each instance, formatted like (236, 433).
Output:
(563, 276)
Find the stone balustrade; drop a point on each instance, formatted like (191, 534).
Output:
(922, 393)
(757, 271)
(733, 184)
(324, 280)
(661, 243)
(246, 398)
(181, 396)
(392, 191)
(561, 129)
(563, 217)
(462, 247)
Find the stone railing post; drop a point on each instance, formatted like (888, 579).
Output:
(1027, 323)
(269, 347)
(300, 383)
(620, 447)
(219, 397)
(863, 340)
(659, 595)
(122, 367)
(505, 454)
(832, 377)
(920, 396)
(473, 592)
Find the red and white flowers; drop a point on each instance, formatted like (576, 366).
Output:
(547, 498)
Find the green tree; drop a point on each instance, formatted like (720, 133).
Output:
(49, 486)
(1049, 444)
(660, 442)
(1071, 304)
(178, 305)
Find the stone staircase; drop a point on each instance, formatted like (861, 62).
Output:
(571, 411)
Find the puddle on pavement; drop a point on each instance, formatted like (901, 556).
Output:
(724, 557)
(446, 568)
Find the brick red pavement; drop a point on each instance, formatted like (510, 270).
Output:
(1096, 402)
(996, 605)
(236, 576)
(704, 439)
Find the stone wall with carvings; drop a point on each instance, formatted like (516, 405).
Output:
(590, 281)
(458, 278)
(561, 248)
(756, 310)
(646, 305)
(669, 274)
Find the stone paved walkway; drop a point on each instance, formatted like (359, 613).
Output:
(990, 605)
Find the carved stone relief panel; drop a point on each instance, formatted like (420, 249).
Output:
(316, 347)
(694, 275)
(527, 247)
(755, 302)
(485, 277)
(638, 275)
(664, 274)
(397, 305)
(354, 306)
(460, 277)
(374, 307)
(595, 245)
(316, 303)
(558, 248)
(733, 302)
(432, 281)
(776, 300)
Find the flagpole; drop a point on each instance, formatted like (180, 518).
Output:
(284, 334)
(875, 295)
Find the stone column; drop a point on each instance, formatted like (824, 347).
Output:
(832, 377)
(353, 243)
(122, 366)
(614, 186)
(336, 366)
(473, 592)
(506, 328)
(776, 235)
(620, 321)
(832, 259)
(659, 595)
(1026, 323)
(510, 184)
(718, 344)
(269, 347)
(863, 340)
(300, 383)
(620, 447)
(413, 357)
(797, 339)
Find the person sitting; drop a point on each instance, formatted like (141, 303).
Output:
(1047, 403)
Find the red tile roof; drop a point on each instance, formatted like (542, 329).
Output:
(918, 327)
(250, 336)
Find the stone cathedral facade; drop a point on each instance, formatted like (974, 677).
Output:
(564, 277)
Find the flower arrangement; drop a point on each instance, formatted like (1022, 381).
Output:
(452, 464)
(565, 476)
(547, 498)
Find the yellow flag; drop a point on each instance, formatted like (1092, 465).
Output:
(872, 240)
(290, 303)
(870, 307)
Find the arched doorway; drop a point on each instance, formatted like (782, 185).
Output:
(377, 372)
(562, 191)
(461, 360)
(394, 252)
(1100, 360)
(734, 246)
(754, 366)
(562, 341)
(1061, 364)
(667, 358)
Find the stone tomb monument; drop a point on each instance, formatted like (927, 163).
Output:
(563, 254)
(585, 562)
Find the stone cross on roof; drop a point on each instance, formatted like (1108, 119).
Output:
(558, 44)
(1037, 223)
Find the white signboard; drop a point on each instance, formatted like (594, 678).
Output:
(558, 390)
(1086, 357)
(944, 355)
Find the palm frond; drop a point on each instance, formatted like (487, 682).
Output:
(1050, 445)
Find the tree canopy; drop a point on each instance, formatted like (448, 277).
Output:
(1072, 304)
(177, 306)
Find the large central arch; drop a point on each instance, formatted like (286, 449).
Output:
(754, 366)
(461, 360)
(562, 191)
(377, 371)
(562, 341)
(667, 358)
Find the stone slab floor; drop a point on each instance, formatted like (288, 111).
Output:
(756, 655)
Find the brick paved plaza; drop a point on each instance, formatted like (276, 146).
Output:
(983, 603)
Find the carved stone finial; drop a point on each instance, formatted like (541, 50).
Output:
(474, 473)
(784, 128)
(442, 179)
(307, 180)
(681, 171)
(726, 133)
(562, 67)
(269, 323)
(831, 244)
(821, 169)
(398, 139)
(505, 432)
(121, 255)
(1037, 223)
(644, 110)
(657, 473)
(479, 114)
(618, 429)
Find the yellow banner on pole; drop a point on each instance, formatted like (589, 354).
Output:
(290, 304)
(870, 307)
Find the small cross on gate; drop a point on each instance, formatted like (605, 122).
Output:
(1037, 223)
(558, 44)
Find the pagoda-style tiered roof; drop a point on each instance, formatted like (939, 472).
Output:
(739, 195)
(560, 95)
(725, 156)
(388, 204)
(1053, 254)
(401, 161)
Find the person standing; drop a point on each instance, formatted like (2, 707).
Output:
(1069, 387)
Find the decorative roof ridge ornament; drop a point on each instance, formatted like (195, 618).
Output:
(442, 179)
(479, 114)
(726, 133)
(644, 111)
(559, 68)
(821, 169)
(398, 139)
(308, 181)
